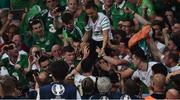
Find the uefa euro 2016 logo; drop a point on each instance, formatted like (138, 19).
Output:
(58, 90)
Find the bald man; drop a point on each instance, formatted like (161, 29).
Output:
(56, 52)
(172, 94)
(158, 83)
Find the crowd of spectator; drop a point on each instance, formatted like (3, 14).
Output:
(90, 49)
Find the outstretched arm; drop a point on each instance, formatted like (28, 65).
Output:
(111, 59)
(136, 16)
(86, 36)
(154, 50)
(165, 35)
(5, 26)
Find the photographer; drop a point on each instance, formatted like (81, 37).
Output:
(34, 54)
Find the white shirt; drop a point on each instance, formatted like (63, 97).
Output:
(101, 24)
(172, 69)
(144, 76)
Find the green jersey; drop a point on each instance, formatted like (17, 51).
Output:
(108, 12)
(75, 34)
(80, 21)
(47, 41)
(24, 27)
(22, 61)
(117, 13)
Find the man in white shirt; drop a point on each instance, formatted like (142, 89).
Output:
(144, 71)
(169, 58)
(98, 28)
